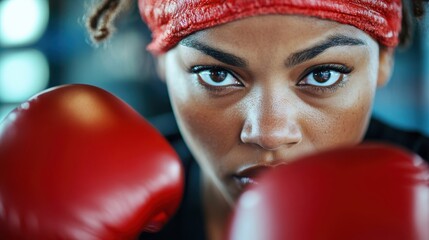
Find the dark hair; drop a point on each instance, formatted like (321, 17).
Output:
(100, 20)
(411, 10)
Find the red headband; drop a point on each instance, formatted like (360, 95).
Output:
(173, 20)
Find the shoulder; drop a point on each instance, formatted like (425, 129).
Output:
(411, 140)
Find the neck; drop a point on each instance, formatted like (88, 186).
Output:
(216, 210)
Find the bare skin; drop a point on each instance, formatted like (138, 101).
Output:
(264, 90)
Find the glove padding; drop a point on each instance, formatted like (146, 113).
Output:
(367, 192)
(78, 163)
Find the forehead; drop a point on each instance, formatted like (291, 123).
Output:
(276, 31)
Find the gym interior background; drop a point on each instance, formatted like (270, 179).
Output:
(44, 44)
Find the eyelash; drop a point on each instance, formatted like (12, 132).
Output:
(342, 69)
(200, 68)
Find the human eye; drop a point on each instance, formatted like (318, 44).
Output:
(325, 77)
(215, 76)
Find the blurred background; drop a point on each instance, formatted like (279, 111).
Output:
(43, 43)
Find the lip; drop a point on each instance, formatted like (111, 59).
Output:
(248, 175)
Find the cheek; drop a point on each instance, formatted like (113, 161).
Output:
(209, 130)
(211, 134)
(344, 120)
(207, 127)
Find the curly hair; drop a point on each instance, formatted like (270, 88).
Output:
(100, 20)
(102, 16)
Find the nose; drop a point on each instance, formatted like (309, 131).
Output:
(271, 123)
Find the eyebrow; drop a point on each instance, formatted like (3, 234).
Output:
(312, 52)
(217, 54)
(294, 59)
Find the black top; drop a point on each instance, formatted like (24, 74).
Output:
(188, 223)
(410, 140)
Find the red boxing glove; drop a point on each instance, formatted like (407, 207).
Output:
(369, 192)
(78, 163)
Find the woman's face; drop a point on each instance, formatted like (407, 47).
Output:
(264, 90)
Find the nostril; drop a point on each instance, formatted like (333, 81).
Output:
(271, 141)
(271, 131)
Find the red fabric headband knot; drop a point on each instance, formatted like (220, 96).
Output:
(173, 20)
